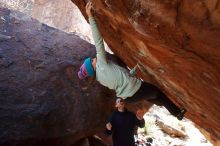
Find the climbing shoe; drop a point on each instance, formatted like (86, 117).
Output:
(181, 114)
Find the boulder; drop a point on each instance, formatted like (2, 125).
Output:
(42, 100)
(177, 45)
(172, 131)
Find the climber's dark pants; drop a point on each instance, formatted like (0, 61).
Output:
(152, 94)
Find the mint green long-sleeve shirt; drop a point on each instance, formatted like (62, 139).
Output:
(109, 74)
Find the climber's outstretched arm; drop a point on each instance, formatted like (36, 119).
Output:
(100, 49)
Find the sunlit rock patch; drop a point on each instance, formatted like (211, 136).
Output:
(160, 138)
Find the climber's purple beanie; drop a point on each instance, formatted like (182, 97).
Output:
(86, 69)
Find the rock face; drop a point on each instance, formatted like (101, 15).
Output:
(42, 100)
(63, 15)
(176, 43)
(171, 130)
(24, 6)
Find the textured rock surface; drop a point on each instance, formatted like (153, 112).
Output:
(193, 137)
(176, 43)
(63, 15)
(172, 131)
(42, 100)
(24, 6)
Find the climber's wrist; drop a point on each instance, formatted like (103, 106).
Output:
(90, 15)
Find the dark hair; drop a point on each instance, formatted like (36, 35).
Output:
(119, 98)
(150, 140)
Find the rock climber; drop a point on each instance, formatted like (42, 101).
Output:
(115, 77)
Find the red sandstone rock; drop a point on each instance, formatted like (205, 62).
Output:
(171, 130)
(176, 43)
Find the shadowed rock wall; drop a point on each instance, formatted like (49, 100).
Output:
(42, 101)
(176, 43)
